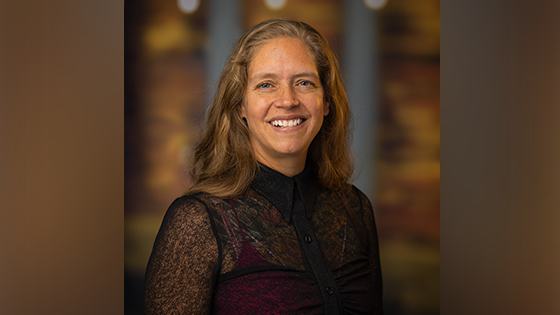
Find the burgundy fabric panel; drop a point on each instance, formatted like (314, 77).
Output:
(268, 292)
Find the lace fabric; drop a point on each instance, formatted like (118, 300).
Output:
(244, 256)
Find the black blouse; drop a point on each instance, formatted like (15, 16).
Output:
(288, 246)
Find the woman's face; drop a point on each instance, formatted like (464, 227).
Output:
(283, 102)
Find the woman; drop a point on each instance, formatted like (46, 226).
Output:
(271, 225)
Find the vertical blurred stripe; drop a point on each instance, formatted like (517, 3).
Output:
(360, 65)
(224, 28)
(500, 153)
(61, 157)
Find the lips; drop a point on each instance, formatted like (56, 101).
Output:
(287, 122)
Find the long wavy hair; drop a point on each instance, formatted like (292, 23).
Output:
(224, 163)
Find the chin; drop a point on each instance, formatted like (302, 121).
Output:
(291, 150)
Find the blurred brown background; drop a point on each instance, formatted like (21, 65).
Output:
(62, 161)
(172, 61)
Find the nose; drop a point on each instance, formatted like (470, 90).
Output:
(287, 98)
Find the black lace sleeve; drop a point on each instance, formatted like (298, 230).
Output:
(184, 261)
(374, 263)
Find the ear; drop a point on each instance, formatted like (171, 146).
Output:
(241, 109)
(327, 109)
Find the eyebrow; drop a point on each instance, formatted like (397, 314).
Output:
(273, 75)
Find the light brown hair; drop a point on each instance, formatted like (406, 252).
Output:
(224, 164)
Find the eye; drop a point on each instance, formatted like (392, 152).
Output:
(264, 85)
(306, 83)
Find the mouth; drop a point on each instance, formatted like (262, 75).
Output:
(286, 123)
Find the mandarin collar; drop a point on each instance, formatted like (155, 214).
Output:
(280, 189)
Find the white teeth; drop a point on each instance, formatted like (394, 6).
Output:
(286, 123)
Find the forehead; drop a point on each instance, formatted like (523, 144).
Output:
(282, 51)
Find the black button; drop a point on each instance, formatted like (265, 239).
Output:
(330, 291)
(308, 239)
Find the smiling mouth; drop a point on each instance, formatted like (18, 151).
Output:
(287, 123)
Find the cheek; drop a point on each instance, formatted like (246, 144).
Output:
(255, 109)
(249, 107)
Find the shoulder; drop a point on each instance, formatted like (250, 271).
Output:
(187, 204)
(197, 204)
(189, 220)
(191, 209)
(350, 193)
(195, 201)
(359, 195)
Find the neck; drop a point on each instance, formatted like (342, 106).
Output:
(288, 166)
